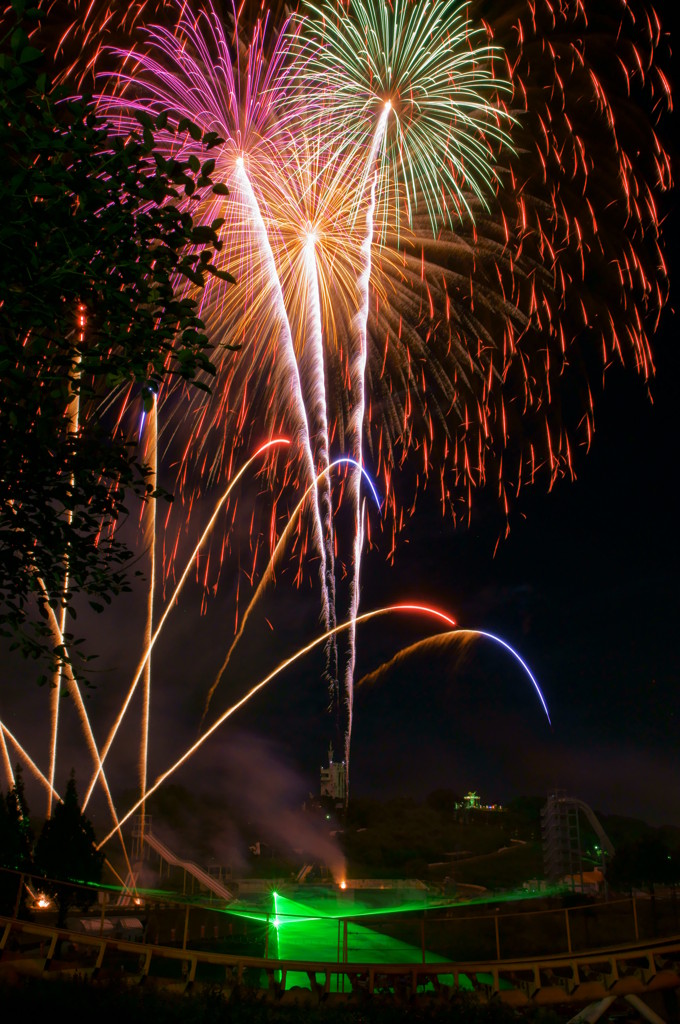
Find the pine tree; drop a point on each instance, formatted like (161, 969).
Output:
(65, 852)
(16, 844)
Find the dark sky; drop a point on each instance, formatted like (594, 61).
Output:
(585, 587)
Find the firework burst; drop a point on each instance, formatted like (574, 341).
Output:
(198, 72)
(431, 74)
(444, 224)
(416, 198)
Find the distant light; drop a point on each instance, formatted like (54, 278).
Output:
(343, 884)
(388, 105)
(239, 161)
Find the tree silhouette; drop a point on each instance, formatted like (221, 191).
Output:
(644, 864)
(92, 261)
(16, 844)
(65, 853)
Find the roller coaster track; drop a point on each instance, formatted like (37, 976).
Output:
(594, 978)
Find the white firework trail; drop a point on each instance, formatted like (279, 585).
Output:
(260, 232)
(357, 383)
(321, 450)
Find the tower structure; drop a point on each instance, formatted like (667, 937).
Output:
(561, 834)
(561, 837)
(334, 779)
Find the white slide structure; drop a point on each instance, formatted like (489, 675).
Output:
(605, 841)
(210, 883)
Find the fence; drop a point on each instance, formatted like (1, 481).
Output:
(453, 933)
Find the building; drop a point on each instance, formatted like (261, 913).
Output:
(334, 779)
(561, 837)
(473, 802)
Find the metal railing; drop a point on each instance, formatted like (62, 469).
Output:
(630, 969)
(517, 952)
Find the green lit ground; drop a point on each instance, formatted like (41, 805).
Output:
(354, 926)
(321, 930)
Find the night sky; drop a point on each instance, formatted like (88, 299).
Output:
(585, 587)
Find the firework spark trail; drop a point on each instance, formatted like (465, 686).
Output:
(123, 884)
(575, 200)
(260, 232)
(192, 70)
(357, 387)
(424, 57)
(74, 691)
(319, 417)
(364, 617)
(438, 72)
(22, 752)
(170, 605)
(149, 539)
(518, 657)
(199, 72)
(268, 574)
(310, 212)
(6, 763)
(494, 311)
(72, 417)
(420, 57)
(197, 82)
(442, 640)
(55, 703)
